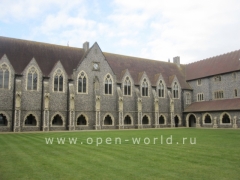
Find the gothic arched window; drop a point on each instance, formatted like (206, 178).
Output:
(127, 87)
(32, 79)
(161, 89)
(4, 76)
(175, 90)
(144, 88)
(108, 84)
(82, 83)
(58, 81)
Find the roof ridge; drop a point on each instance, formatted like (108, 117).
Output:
(138, 58)
(38, 42)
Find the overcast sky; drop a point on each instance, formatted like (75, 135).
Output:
(154, 29)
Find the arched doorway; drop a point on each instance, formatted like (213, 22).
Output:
(192, 121)
(176, 121)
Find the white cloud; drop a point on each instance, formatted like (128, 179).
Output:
(190, 29)
(153, 29)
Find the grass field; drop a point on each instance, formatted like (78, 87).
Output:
(216, 155)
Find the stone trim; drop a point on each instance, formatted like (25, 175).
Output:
(63, 119)
(85, 74)
(164, 88)
(128, 114)
(131, 85)
(113, 121)
(187, 118)
(64, 80)
(221, 118)
(164, 117)
(8, 119)
(203, 119)
(86, 117)
(25, 117)
(38, 78)
(10, 76)
(178, 89)
(148, 86)
(105, 77)
(149, 119)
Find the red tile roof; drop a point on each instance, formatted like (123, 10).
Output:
(216, 105)
(135, 66)
(21, 52)
(215, 65)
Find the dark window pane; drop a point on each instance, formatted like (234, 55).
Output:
(6, 79)
(106, 88)
(60, 83)
(110, 88)
(35, 80)
(1, 79)
(146, 91)
(29, 83)
(143, 91)
(125, 89)
(56, 83)
(129, 90)
(80, 85)
(84, 85)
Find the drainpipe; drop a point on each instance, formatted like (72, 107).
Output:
(182, 104)
(13, 106)
(67, 120)
(41, 121)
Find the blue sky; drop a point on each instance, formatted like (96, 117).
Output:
(154, 29)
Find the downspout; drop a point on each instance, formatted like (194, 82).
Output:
(182, 104)
(13, 105)
(67, 120)
(41, 121)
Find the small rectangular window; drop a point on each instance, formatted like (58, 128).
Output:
(235, 92)
(188, 98)
(199, 82)
(234, 76)
(217, 78)
(218, 95)
(200, 97)
(1, 78)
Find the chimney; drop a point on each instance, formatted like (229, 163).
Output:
(176, 60)
(86, 46)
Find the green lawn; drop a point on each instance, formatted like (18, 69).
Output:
(216, 155)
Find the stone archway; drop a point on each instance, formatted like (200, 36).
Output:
(192, 121)
(176, 121)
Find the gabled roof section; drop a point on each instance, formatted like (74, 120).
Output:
(216, 105)
(21, 52)
(136, 65)
(221, 64)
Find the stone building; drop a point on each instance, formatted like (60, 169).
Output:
(46, 87)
